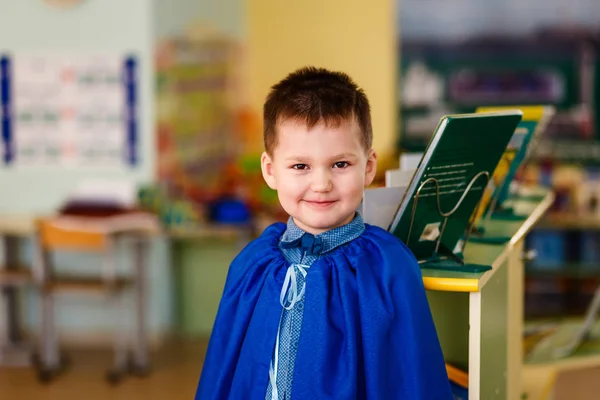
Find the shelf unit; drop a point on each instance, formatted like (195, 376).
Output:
(587, 354)
(479, 316)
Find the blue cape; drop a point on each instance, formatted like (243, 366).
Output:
(367, 330)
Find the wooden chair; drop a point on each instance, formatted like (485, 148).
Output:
(52, 238)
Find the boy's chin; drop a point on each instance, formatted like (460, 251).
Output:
(316, 227)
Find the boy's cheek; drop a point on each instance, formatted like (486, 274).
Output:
(289, 190)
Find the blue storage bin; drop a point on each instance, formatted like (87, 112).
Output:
(550, 247)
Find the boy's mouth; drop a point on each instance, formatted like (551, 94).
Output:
(320, 203)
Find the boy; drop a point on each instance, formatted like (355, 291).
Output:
(325, 307)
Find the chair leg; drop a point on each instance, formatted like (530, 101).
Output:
(50, 363)
(141, 365)
(120, 367)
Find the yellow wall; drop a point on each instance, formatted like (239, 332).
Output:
(353, 36)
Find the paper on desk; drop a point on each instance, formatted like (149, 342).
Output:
(123, 193)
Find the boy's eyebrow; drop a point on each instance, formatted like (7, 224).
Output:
(297, 158)
(344, 155)
(305, 159)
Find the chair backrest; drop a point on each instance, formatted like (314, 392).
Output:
(55, 237)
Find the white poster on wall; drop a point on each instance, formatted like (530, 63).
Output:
(68, 110)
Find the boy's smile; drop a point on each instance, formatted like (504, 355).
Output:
(319, 173)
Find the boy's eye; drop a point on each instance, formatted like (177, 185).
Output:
(300, 166)
(341, 164)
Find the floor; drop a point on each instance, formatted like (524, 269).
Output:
(176, 368)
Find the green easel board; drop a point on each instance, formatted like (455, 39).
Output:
(463, 152)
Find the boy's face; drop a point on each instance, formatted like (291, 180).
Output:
(319, 174)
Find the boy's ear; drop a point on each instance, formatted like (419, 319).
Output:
(371, 168)
(268, 170)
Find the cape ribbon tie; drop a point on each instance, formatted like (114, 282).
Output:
(290, 286)
(310, 245)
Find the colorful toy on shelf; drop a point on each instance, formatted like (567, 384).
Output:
(576, 186)
(180, 214)
(150, 198)
(230, 211)
(587, 194)
(172, 213)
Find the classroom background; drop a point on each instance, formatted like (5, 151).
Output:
(144, 118)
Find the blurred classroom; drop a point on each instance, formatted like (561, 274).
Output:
(130, 169)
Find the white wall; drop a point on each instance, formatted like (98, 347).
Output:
(106, 25)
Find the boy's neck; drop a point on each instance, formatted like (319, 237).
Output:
(320, 232)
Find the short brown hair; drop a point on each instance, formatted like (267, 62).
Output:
(314, 95)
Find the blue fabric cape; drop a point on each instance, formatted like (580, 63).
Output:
(367, 330)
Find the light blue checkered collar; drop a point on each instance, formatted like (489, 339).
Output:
(329, 239)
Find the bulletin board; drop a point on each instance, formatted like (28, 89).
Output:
(69, 110)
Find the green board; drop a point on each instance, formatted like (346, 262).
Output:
(462, 147)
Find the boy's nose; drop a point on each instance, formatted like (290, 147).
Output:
(321, 182)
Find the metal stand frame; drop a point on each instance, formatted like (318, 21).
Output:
(447, 214)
